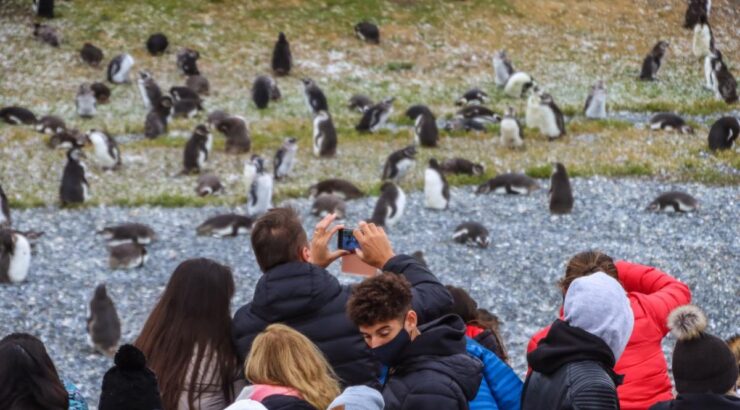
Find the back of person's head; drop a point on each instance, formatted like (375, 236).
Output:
(277, 238)
(378, 299)
(702, 363)
(462, 304)
(191, 322)
(586, 263)
(358, 398)
(129, 384)
(598, 304)
(488, 319)
(28, 378)
(281, 356)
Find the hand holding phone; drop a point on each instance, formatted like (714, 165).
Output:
(352, 264)
(346, 240)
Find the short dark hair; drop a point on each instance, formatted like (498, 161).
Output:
(379, 299)
(277, 238)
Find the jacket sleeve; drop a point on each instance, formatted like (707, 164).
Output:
(430, 299)
(504, 383)
(439, 399)
(592, 389)
(661, 292)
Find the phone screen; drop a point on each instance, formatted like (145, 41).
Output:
(347, 241)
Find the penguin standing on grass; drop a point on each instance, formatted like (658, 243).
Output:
(315, 98)
(107, 153)
(197, 150)
(85, 101)
(15, 256)
(259, 198)
(596, 102)
(103, 324)
(725, 83)
(74, 188)
(710, 61)
(119, 68)
(436, 189)
(187, 61)
(91, 55)
(4, 209)
(703, 41)
(552, 122)
(264, 90)
(282, 59)
(399, 163)
(695, 11)
(518, 84)
(148, 89)
(390, 205)
(285, 158)
(158, 117)
(375, 117)
(367, 32)
(511, 131)
(157, 44)
(324, 135)
(561, 194)
(723, 133)
(502, 68)
(651, 63)
(426, 132)
(236, 131)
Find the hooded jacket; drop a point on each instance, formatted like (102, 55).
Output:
(500, 388)
(706, 401)
(434, 371)
(311, 300)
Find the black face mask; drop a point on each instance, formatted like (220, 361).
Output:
(389, 353)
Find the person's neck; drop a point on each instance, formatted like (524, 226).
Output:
(413, 334)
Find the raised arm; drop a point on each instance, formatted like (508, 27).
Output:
(430, 299)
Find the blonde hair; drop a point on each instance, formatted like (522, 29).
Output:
(281, 356)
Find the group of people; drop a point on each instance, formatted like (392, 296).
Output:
(400, 339)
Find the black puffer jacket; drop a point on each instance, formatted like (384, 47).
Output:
(280, 402)
(434, 371)
(311, 300)
(706, 401)
(571, 369)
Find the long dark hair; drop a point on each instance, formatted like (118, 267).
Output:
(191, 323)
(28, 378)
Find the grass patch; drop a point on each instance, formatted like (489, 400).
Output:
(399, 66)
(173, 201)
(539, 171)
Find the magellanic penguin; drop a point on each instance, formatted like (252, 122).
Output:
(158, 117)
(44, 8)
(46, 34)
(197, 150)
(475, 95)
(426, 132)
(148, 89)
(198, 83)
(596, 101)
(553, 122)
(157, 44)
(471, 234)
(464, 124)
(186, 108)
(561, 194)
(282, 59)
(703, 42)
(723, 133)
(74, 188)
(335, 186)
(285, 158)
(236, 131)
(119, 68)
(502, 68)
(326, 204)
(67, 139)
(518, 84)
(324, 135)
(534, 115)
(127, 256)
(103, 324)
(668, 121)
(187, 61)
(399, 163)
(91, 55)
(360, 102)
(651, 64)
(259, 198)
(264, 90)
(50, 124)
(215, 116)
(511, 130)
(102, 92)
(180, 93)
(15, 256)
(436, 188)
(725, 83)
(390, 206)
(695, 10)
(107, 153)
(85, 101)
(509, 183)
(5, 219)
(416, 110)
(315, 98)
(130, 232)
(220, 226)
(478, 113)
(710, 62)
(15, 115)
(457, 166)
(375, 117)
(367, 32)
(675, 201)
(209, 184)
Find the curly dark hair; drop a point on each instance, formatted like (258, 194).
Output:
(379, 299)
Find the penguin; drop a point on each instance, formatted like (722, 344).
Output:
(710, 77)
(695, 10)
(534, 114)
(285, 158)
(509, 183)
(324, 135)
(5, 219)
(148, 89)
(419, 256)
(561, 195)
(236, 131)
(651, 63)
(399, 163)
(462, 166)
(415, 111)
(315, 98)
(436, 188)
(464, 124)
(675, 201)
(282, 59)
(119, 68)
(250, 174)
(595, 106)
(471, 234)
(511, 130)
(723, 133)
(376, 116)
(199, 84)
(102, 92)
(186, 108)
(553, 122)
(103, 324)
(127, 256)
(74, 188)
(130, 232)
(703, 41)
(44, 8)
(15, 256)
(473, 95)
(46, 34)
(667, 121)
(725, 83)
(426, 132)
(66, 139)
(50, 124)
(223, 225)
(157, 44)
(215, 116)
(326, 204)
(390, 205)
(107, 154)
(209, 184)
(197, 150)
(158, 117)
(517, 85)
(478, 113)
(85, 101)
(91, 55)
(337, 187)
(15, 115)
(187, 61)
(264, 89)
(179, 93)
(502, 68)
(360, 102)
(368, 32)
(259, 198)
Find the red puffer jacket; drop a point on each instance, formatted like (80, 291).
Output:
(653, 295)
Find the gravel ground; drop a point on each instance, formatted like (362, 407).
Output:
(514, 277)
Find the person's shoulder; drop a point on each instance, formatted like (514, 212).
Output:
(588, 376)
(283, 402)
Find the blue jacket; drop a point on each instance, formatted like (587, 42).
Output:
(500, 388)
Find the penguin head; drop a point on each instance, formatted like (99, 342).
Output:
(290, 142)
(687, 129)
(510, 112)
(653, 206)
(281, 38)
(662, 46)
(201, 130)
(483, 188)
(482, 241)
(307, 82)
(433, 163)
(479, 169)
(165, 103)
(75, 154)
(313, 190)
(84, 89)
(100, 292)
(274, 90)
(259, 163)
(389, 101)
(144, 75)
(558, 168)
(410, 151)
(599, 85)
(545, 98)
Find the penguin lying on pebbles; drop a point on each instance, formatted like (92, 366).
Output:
(66, 139)
(15, 256)
(651, 64)
(187, 61)
(473, 95)
(50, 124)
(710, 61)
(471, 234)
(148, 89)
(285, 158)
(462, 166)
(158, 117)
(375, 117)
(511, 135)
(695, 10)
(360, 102)
(102, 92)
(127, 256)
(561, 194)
(667, 121)
(74, 188)
(130, 232)
(723, 133)
(426, 132)
(367, 32)
(596, 102)
(199, 84)
(725, 85)
(157, 44)
(390, 205)
(103, 324)
(4, 209)
(46, 34)
(85, 101)
(399, 163)
(119, 68)
(264, 90)
(220, 226)
(478, 113)
(502, 68)
(209, 184)
(335, 186)
(197, 150)
(518, 84)
(106, 152)
(326, 204)
(91, 55)
(315, 98)
(15, 115)
(282, 59)
(552, 123)
(236, 131)
(509, 183)
(703, 41)
(675, 201)
(259, 198)
(436, 188)
(324, 135)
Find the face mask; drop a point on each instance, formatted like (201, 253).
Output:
(389, 353)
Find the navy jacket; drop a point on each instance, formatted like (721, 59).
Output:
(705, 401)
(311, 300)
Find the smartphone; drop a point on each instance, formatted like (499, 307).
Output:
(346, 240)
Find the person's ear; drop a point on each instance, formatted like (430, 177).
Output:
(305, 254)
(411, 321)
